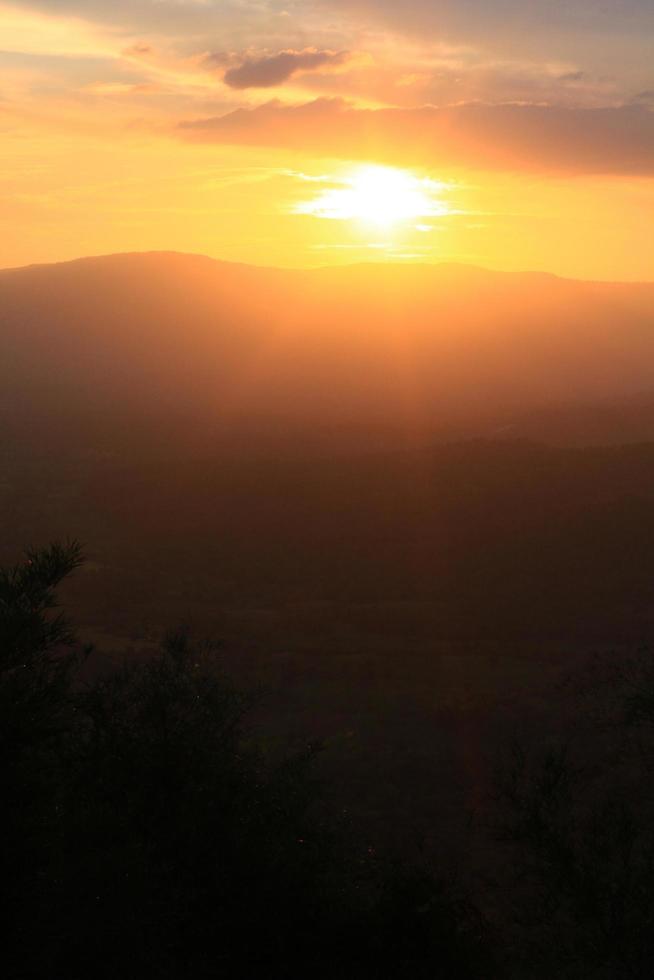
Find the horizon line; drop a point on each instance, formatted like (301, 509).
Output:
(328, 268)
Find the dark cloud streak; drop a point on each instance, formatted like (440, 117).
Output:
(272, 70)
(519, 138)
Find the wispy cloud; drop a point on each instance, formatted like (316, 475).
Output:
(35, 33)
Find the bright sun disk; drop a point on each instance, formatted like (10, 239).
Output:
(383, 196)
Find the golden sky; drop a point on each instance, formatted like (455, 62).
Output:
(515, 134)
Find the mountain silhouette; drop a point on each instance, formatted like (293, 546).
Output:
(411, 352)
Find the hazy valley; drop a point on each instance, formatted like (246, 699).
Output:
(403, 499)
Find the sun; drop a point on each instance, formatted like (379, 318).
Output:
(380, 196)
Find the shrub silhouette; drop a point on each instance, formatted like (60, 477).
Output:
(147, 833)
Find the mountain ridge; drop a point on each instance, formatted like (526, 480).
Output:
(412, 353)
(372, 265)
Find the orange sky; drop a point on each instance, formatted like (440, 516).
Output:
(220, 127)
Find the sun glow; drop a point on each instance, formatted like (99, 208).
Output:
(381, 196)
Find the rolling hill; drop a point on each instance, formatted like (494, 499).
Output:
(337, 474)
(189, 354)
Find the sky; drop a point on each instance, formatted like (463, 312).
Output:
(513, 134)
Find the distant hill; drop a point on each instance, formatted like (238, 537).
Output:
(254, 452)
(181, 350)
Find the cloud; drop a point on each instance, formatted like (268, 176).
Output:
(236, 23)
(518, 138)
(26, 32)
(275, 69)
(645, 98)
(597, 46)
(534, 21)
(139, 50)
(166, 16)
(613, 37)
(572, 76)
(446, 16)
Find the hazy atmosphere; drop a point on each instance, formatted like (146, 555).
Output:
(327, 489)
(523, 131)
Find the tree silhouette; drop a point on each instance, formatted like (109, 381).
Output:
(577, 810)
(36, 712)
(148, 833)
